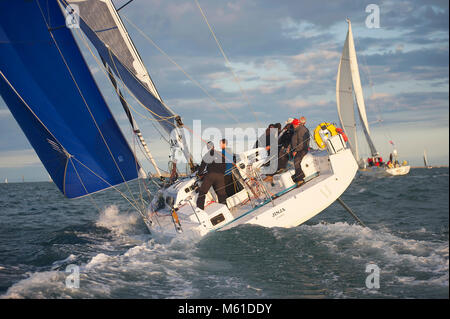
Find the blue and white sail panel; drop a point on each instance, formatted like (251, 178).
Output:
(50, 91)
(102, 25)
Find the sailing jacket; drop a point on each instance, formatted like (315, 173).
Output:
(213, 162)
(300, 139)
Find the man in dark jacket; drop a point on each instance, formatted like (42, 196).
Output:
(299, 146)
(284, 141)
(212, 176)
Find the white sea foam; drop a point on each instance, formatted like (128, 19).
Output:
(67, 260)
(38, 286)
(115, 221)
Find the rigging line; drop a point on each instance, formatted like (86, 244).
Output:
(81, 181)
(162, 136)
(149, 83)
(137, 170)
(87, 106)
(163, 118)
(386, 130)
(32, 112)
(43, 125)
(107, 71)
(135, 129)
(142, 151)
(182, 70)
(110, 185)
(227, 62)
(124, 5)
(70, 157)
(102, 67)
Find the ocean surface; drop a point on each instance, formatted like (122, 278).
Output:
(404, 252)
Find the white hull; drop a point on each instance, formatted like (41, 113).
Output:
(289, 207)
(402, 170)
(384, 171)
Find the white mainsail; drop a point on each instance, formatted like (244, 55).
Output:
(349, 82)
(344, 99)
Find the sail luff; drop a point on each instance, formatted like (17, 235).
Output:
(344, 100)
(357, 87)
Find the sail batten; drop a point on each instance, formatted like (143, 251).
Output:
(51, 93)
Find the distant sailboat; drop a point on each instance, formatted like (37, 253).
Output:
(425, 160)
(348, 84)
(6, 180)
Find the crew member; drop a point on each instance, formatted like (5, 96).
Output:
(284, 141)
(264, 140)
(231, 186)
(211, 171)
(299, 145)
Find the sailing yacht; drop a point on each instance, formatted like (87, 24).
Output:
(74, 133)
(348, 88)
(425, 160)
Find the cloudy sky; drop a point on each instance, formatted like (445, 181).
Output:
(285, 55)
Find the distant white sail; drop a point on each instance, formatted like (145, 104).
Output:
(425, 159)
(344, 99)
(348, 83)
(356, 80)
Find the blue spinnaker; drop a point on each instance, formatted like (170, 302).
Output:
(51, 93)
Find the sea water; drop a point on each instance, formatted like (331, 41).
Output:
(98, 247)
